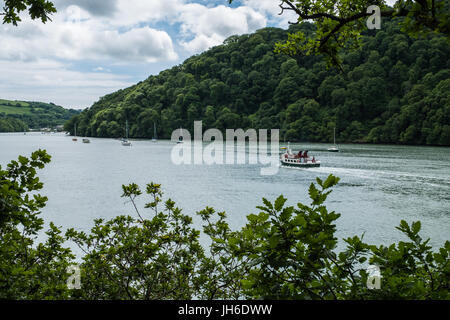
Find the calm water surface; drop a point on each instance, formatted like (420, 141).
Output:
(380, 185)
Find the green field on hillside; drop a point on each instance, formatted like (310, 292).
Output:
(14, 107)
(24, 115)
(9, 102)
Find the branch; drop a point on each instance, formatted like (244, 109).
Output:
(135, 208)
(306, 16)
(344, 21)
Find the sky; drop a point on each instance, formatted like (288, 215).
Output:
(95, 47)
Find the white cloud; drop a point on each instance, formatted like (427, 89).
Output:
(211, 26)
(37, 60)
(101, 8)
(142, 44)
(271, 9)
(74, 35)
(101, 69)
(133, 12)
(54, 82)
(201, 43)
(84, 30)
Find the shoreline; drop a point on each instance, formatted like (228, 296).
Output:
(281, 143)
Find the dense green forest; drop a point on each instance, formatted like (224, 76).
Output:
(394, 89)
(9, 124)
(17, 116)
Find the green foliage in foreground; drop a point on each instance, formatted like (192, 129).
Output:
(394, 89)
(29, 270)
(283, 252)
(37, 9)
(18, 116)
(341, 22)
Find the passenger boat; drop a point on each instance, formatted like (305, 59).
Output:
(298, 160)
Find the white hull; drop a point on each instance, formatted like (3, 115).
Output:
(126, 143)
(296, 164)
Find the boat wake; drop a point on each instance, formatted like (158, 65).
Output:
(393, 176)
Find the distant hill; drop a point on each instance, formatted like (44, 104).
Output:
(395, 89)
(16, 116)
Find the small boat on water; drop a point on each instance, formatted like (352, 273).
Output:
(298, 160)
(86, 141)
(126, 142)
(334, 148)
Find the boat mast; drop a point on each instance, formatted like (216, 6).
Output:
(334, 135)
(154, 130)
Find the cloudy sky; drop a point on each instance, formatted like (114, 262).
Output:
(94, 47)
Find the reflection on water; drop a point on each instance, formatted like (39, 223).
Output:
(380, 185)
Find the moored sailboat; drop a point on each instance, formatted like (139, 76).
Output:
(154, 133)
(126, 142)
(334, 148)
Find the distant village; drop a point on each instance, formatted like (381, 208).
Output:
(59, 128)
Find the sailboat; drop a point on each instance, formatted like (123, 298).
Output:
(335, 147)
(125, 142)
(75, 129)
(154, 133)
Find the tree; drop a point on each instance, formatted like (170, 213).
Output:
(340, 23)
(283, 252)
(380, 78)
(141, 258)
(29, 270)
(290, 253)
(37, 9)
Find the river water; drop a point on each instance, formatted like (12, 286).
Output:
(380, 185)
